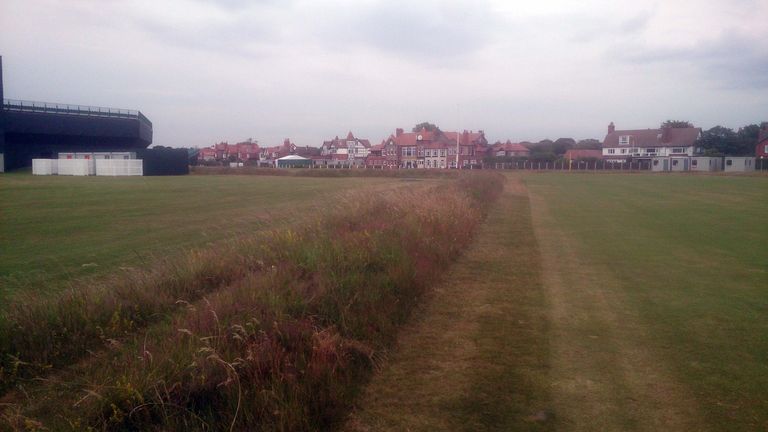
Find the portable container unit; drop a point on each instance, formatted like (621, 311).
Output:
(119, 167)
(76, 167)
(705, 163)
(679, 164)
(45, 166)
(660, 164)
(739, 163)
(97, 155)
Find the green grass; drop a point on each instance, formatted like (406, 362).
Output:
(691, 257)
(56, 229)
(283, 342)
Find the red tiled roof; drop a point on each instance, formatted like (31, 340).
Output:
(683, 137)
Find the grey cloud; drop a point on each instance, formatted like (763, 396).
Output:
(586, 29)
(429, 31)
(735, 61)
(242, 35)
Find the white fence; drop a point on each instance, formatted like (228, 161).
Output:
(45, 166)
(77, 167)
(119, 167)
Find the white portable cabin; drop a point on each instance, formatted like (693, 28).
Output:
(97, 155)
(739, 164)
(76, 167)
(667, 163)
(45, 167)
(706, 163)
(119, 167)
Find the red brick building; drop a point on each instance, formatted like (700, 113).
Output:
(761, 150)
(434, 149)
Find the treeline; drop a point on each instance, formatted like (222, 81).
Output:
(723, 141)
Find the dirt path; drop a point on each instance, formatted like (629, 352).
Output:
(605, 374)
(476, 357)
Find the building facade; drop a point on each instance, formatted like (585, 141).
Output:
(646, 144)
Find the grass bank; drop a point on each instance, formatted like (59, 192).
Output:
(283, 345)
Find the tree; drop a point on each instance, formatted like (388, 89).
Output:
(589, 144)
(426, 125)
(723, 141)
(677, 124)
(562, 145)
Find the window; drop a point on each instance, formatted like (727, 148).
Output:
(442, 151)
(695, 162)
(611, 151)
(623, 151)
(765, 149)
(650, 150)
(678, 150)
(674, 162)
(655, 162)
(624, 140)
(729, 162)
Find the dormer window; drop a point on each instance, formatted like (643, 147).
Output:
(624, 140)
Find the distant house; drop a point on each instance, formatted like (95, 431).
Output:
(646, 144)
(376, 157)
(509, 149)
(435, 149)
(354, 149)
(761, 149)
(224, 152)
(268, 156)
(582, 154)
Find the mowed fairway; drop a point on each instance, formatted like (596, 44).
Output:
(594, 302)
(658, 291)
(55, 229)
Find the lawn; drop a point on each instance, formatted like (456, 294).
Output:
(56, 229)
(688, 257)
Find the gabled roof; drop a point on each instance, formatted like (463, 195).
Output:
(666, 137)
(466, 137)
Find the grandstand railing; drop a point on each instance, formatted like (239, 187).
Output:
(68, 109)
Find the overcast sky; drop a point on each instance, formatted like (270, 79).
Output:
(211, 70)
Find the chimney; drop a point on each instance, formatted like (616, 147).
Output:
(611, 128)
(763, 134)
(398, 131)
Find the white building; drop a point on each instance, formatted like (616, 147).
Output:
(646, 144)
(739, 164)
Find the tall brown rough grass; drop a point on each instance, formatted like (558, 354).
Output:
(325, 172)
(284, 341)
